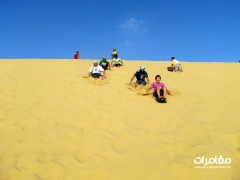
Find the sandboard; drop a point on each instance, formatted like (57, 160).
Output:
(170, 69)
(162, 100)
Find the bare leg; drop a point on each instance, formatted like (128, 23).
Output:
(164, 92)
(158, 93)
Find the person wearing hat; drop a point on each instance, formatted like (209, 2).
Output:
(104, 63)
(76, 55)
(140, 75)
(159, 89)
(176, 66)
(116, 62)
(95, 71)
(114, 53)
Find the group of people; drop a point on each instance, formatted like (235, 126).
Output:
(103, 65)
(160, 90)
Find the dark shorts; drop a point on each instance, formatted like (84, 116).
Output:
(156, 95)
(141, 82)
(96, 75)
(117, 65)
(105, 67)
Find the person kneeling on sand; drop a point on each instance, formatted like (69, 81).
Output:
(104, 63)
(140, 75)
(95, 71)
(160, 90)
(116, 61)
(176, 66)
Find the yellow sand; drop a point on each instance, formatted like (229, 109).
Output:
(57, 125)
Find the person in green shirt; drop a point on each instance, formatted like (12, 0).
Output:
(104, 63)
(116, 62)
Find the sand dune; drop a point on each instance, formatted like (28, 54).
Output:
(57, 125)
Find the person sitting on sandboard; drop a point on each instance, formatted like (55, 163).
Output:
(160, 90)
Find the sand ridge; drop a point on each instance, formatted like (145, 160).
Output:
(55, 124)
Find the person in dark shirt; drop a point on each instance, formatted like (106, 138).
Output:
(140, 75)
(76, 56)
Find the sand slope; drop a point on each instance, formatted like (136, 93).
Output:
(56, 125)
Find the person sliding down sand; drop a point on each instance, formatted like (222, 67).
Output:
(116, 62)
(95, 71)
(160, 90)
(105, 64)
(141, 75)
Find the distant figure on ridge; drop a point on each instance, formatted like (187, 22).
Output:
(176, 66)
(76, 55)
(141, 75)
(95, 71)
(114, 53)
(116, 62)
(104, 63)
(160, 90)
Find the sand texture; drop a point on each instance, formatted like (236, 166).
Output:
(57, 125)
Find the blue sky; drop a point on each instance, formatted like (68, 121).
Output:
(189, 30)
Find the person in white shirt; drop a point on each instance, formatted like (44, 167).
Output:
(95, 71)
(176, 66)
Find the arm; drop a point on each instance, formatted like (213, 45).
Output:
(122, 63)
(112, 63)
(148, 89)
(131, 80)
(148, 81)
(89, 74)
